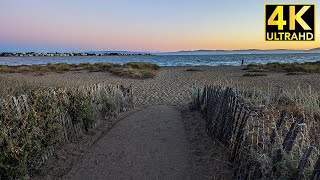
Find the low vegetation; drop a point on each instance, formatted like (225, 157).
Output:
(194, 69)
(142, 66)
(254, 74)
(268, 132)
(132, 69)
(35, 120)
(307, 67)
(296, 73)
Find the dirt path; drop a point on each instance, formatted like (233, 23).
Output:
(149, 144)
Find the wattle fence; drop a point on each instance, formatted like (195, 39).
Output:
(263, 143)
(33, 125)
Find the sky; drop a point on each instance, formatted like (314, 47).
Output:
(137, 25)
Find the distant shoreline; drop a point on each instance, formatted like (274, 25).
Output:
(166, 60)
(35, 54)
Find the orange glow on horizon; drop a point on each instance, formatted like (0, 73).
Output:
(139, 26)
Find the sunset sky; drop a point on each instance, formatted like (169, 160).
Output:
(136, 25)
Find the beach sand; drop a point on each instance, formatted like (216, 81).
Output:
(171, 86)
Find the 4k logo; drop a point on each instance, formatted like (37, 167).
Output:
(290, 22)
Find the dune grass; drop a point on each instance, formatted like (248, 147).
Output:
(142, 66)
(266, 106)
(254, 74)
(141, 70)
(295, 73)
(194, 70)
(6, 69)
(307, 67)
(33, 120)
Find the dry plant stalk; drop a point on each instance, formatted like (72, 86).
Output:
(268, 132)
(32, 125)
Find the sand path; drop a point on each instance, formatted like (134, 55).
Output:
(156, 142)
(149, 144)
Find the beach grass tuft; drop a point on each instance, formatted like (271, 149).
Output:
(273, 114)
(6, 69)
(254, 74)
(194, 69)
(37, 119)
(295, 73)
(307, 67)
(141, 70)
(142, 66)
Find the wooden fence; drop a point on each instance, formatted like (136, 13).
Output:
(263, 143)
(119, 98)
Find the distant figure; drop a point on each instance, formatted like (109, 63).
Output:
(242, 62)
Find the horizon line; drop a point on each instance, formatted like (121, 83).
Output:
(133, 51)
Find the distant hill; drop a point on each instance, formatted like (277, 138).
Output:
(119, 52)
(315, 49)
(247, 51)
(210, 52)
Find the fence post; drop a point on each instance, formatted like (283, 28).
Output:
(240, 133)
(292, 134)
(316, 172)
(303, 162)
(278, 125)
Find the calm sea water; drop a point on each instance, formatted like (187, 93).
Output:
(169, 60)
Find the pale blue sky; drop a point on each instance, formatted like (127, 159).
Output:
(140, 25)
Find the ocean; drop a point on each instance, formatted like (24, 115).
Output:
(170, 60)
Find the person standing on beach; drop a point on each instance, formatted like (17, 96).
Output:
(242, 62)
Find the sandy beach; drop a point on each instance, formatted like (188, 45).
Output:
(167, 92)
(171, 86)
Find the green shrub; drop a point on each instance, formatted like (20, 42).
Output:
(80, 109)
(27, 132)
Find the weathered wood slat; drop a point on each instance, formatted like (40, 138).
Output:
(302, 163)
(23, 108)
(316, 171)
(292, 134)
(278, 125)
(227, 120)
